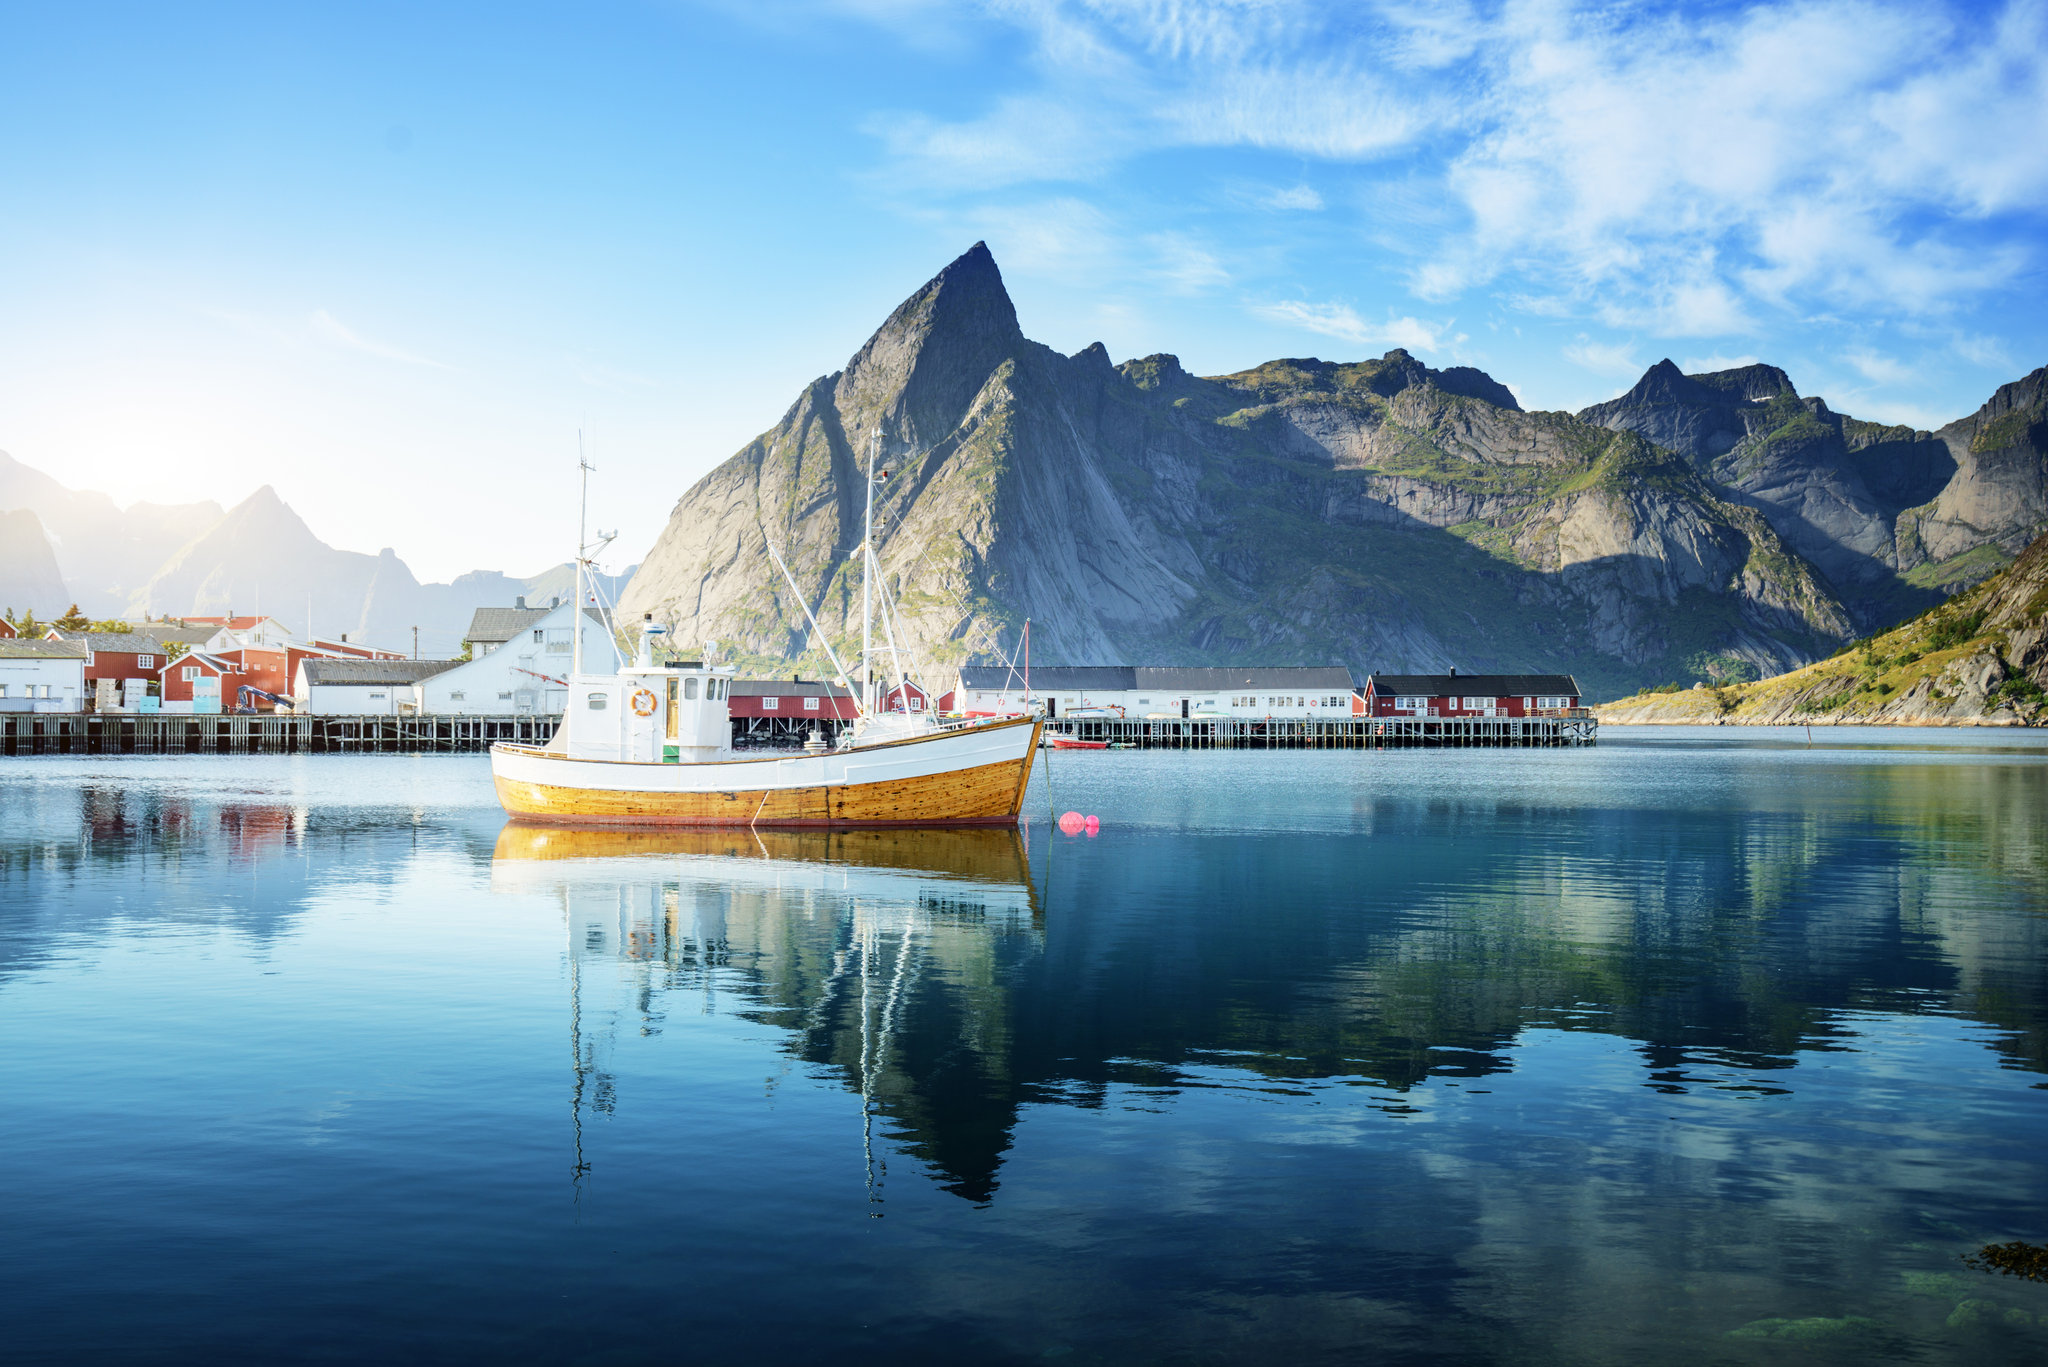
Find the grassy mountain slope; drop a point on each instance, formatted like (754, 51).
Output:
(1981, 658)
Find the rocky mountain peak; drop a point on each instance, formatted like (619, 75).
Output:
(1748, 384)
(929, 359)
(1476, 384)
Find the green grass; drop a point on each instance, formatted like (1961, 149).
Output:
(1958, 571)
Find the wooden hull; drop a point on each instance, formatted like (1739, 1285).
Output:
(973, 776)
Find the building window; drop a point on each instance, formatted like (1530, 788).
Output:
(595, 702)
(191, 672)
(539, 636)
(1475, 704)
(559, 642)
(3, 690)
(810, 704)
(505, 696)
(771, 704)
(917, 704)
(456, 696)
(145, 662)
(376, 697)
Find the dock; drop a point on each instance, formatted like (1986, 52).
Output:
(122, 733)
(1354, 733)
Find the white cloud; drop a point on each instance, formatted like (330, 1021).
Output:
(1188, 268)
(1672, 172)
(329, 328)
(1343, 322)
(1706, 365)
(1302, 197)
(1604, 358)
(1063, 235)
(1880, 369)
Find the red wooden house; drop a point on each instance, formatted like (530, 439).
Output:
(1466, 695)
(799, 698)
(200, 682)
(115, 661)
(269, 670)
(898, 694)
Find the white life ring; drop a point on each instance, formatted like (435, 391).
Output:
(644, 702)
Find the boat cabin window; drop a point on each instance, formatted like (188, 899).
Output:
(689, 690)
(596, 702)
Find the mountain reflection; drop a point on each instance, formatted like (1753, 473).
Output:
(936, 976)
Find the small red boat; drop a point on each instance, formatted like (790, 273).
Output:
(1069, 743)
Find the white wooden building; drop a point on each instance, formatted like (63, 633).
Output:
(1140, 691)
(329, 687)
(42, 676)
(528, 670)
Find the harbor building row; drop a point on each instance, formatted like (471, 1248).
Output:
(519, 664)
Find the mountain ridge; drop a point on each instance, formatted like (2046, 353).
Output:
(256, 556)
(1379, 513)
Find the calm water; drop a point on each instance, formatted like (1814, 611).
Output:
(1683, 1049)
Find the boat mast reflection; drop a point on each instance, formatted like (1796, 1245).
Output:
(879, 951)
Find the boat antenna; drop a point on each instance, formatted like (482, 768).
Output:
(817, 632)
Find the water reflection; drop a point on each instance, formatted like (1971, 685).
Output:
(1588, 1058)
(885, 956)
(934, 976)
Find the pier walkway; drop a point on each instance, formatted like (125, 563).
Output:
(1357, 733)
(118, 733)
(122, 733)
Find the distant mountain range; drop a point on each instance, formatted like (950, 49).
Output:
(1378, 513)
(58, 546)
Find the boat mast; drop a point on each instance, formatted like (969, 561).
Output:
(576, 620)
(867, 581)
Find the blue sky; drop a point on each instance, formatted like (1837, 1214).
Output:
(391, 258)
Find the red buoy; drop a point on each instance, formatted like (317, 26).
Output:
(1071, 823)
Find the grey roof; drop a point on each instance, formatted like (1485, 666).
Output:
(1473, 685)
(495, 626)
(1222, 680)
(167, 632)
(781, 688)
(1162, 678)
(35, 648)
(130, 642)
(323, 671)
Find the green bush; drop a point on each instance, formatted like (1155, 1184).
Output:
(1950, 631)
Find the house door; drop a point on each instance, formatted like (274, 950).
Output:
(1183, 709)
(1052, 707)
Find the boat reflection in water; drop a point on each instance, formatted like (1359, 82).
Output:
(874, 949)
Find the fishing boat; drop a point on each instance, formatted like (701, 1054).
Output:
(1075, 743)
(651, 745)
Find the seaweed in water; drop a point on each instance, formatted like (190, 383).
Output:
(2015, 1259)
